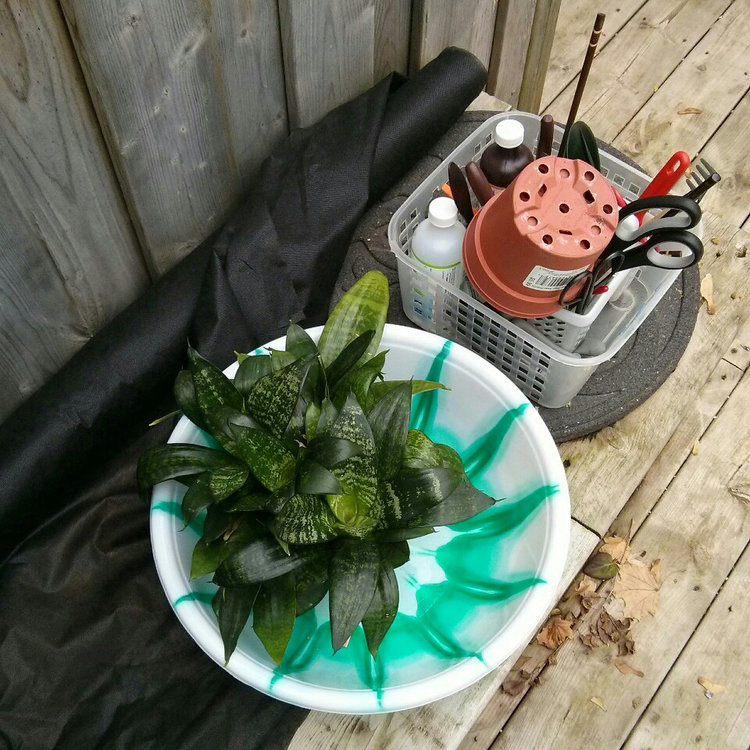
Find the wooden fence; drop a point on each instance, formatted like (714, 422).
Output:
(128, 129)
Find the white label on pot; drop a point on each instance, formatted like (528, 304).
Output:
(549, 279)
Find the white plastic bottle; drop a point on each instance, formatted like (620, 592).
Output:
(437, 242)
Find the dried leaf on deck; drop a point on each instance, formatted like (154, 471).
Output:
(554, 633)
(638, 588)
(626, 668)
(711, 688)
(591, 640)
(597, 701)
(655, 569)
(707, 293)
(615, 546)
(690, 111)
(626, 646)
(601, 566)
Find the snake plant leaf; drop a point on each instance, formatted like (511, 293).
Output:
(382, 610)
(273, 615)
(421, 453)
(356, 507)
(217, 523)
(362, 308)
(298, 342)
(359, 382)
(271, 463)
(232, 608)
(581, 144)
(207, 556)
(260, 560)
(394, 554)
(312, 417)
(197, 497)
(277, 500)
(399, 535)
(213, 391)
(389, 420)
(273, 398)
(281, 359)
(184, 394)
(250, 371)
(244, 502)
(330, 451)
(464, 502)
(311, 584)
(328, 415)
(412, 492)
(353, 575)
(417, 386)
(173, 460)
(314, 479)
(305, 519)
(226, 480)
(348, 358)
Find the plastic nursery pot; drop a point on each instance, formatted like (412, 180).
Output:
(470, 594)
(530, 240)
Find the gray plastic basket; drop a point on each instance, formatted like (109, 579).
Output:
(537, 355)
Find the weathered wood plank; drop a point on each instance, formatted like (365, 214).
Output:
(537, 56)
(439, 725)
(513, 25)
(718, 652)
(607, 467)
(637, 61)
(708, 402)
(437, 24)
(329, 54)
(572, 36)
(69, 259)
(392, 27)
(698, 529)
(188, 104)
(724, 151)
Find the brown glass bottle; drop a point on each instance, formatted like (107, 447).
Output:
(504, 159)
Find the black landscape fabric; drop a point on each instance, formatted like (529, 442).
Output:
(91, 654)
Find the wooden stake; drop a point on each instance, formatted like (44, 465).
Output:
(590, 52)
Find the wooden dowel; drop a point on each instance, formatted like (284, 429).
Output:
(590, 52)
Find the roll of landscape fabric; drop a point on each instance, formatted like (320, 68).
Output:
(90, 651)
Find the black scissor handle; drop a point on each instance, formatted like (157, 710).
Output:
(687, 214)
(646, 253)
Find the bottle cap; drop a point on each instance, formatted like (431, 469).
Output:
(509, 133)
(442, 212)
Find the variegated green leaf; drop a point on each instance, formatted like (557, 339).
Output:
(298, 342)
(197, 497)
(360, 381)
(173, 460)
(464, 502)
(329, 451)
(412, 492)
(353, 575)
(271, 463)
(348, 358)
(273, 615)
(232, 608)
(311, 583)
(250, 371)
(226, 480)
(399, 535)
(389, 420)
(260, 560)
(417, 386)
(363, 308)
(273, 398)
(356, 508)
(394, 554)
(421, 453)
(207, 556)
(184, 393)
(252, 500)
(382, 610)
(305, 519)
(314, 479)
(281, 359)
(217, 523)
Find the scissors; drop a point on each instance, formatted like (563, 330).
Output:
(664, 242)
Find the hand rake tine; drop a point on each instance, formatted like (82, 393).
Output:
(706, 169)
